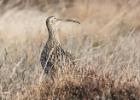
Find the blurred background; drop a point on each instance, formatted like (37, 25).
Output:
(104, 17)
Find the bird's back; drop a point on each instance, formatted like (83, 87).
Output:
(53, 57)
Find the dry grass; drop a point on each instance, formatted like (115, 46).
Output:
(106, 44)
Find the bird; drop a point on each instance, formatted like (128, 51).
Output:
(53, 56)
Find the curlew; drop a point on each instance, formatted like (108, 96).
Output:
(53, 56)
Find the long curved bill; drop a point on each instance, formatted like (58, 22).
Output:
(69, 20)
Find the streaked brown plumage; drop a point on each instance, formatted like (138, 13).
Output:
(53, 55)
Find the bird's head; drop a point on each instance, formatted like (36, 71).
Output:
(52, 21)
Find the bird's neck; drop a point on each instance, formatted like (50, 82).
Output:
(53, 34)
